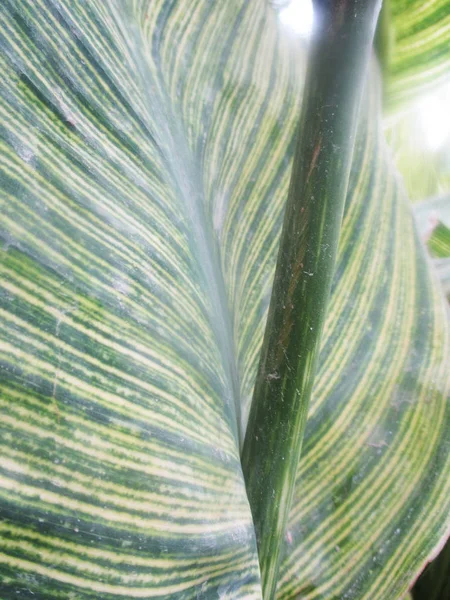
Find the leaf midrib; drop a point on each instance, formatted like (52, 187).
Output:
(188, 184)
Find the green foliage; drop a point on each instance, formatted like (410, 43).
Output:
(145, 156)
(439, 241)
(337, 68)
(420, 49)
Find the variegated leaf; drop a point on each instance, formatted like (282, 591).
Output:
(146, 152)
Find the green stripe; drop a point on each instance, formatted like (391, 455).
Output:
(420, 59)
(145, 158)
(439, 241)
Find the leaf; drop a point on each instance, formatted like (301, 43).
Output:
(420, 56)
(146, 151)
(439, 241)
(120, 471)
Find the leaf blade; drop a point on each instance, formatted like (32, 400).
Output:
(123, 477)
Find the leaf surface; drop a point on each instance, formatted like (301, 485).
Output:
(120, 470)
(419, 58)
(146, 153)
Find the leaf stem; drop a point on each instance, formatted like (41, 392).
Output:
(337, 66)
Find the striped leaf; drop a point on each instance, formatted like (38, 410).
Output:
(145, 160)
(439, 241)
(120, 470)
(418, 47)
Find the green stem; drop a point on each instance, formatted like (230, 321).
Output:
(337, 66)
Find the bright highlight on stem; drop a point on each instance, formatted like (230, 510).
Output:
(337, 67)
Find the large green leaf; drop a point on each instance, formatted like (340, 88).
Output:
(419, 47)
(120, 462)
(146, 153)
